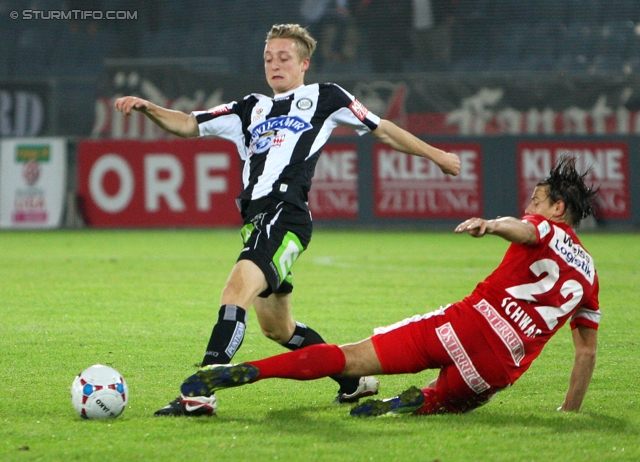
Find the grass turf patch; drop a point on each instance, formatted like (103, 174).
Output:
(144, 302)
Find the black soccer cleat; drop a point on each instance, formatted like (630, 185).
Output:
(194, 406)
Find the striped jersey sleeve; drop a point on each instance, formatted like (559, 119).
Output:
(351, 112)
(224, 121)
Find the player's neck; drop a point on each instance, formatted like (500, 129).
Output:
(287, 92)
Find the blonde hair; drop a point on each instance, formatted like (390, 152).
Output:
(305, 44)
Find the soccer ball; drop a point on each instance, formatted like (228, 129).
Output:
(99, 392)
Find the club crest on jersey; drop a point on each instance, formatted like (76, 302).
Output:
(266, 135)
(304, 104)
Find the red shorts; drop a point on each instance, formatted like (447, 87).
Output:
(448, 340)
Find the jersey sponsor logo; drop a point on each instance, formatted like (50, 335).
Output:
(304, 104)
(503, 329)
(266, 142)
(294, 124)
(572, 253)
(359, 109)
(219, 110)
(266, 134)
(544, 228)
(461, 359)
(277, 140)
(257, 115)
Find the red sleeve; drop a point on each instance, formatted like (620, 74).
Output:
(543, 227)
(588, 314)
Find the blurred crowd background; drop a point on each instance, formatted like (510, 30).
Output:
(363, 39)
(355, 36)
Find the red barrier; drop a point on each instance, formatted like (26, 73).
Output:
(334, 194)
(414, 187)
(183, 183)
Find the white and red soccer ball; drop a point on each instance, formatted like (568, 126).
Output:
(99, 392)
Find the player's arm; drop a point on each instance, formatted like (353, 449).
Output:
(403, 141)
(509, 228)
(176, 122)
(585, 340)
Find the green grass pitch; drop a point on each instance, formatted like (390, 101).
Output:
(144, 301)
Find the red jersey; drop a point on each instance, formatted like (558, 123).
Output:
(534, 291)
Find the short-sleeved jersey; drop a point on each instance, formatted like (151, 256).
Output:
(280, 139)
(534, 291)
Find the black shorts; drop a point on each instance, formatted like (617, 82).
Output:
(275, 233)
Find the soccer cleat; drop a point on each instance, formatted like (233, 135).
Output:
(216, 377)
(194, 406)
(405, 403)
(367, 386)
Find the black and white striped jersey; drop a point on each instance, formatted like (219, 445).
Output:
(280, 139)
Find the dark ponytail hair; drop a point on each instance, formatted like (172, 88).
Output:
(567, 184)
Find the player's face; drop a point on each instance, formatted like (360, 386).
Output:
(541, 204)
(282, 65)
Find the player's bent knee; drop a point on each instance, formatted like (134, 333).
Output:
(278, 336)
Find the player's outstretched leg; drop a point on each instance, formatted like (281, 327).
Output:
(351, 388)
(216, 377)
(406, 402)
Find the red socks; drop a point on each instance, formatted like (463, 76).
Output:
(309, 363)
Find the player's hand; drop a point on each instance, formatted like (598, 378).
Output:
(476, 227)
(450, 164)
(126, 104)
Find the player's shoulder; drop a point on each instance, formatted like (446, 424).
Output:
(248, 102)
(254, 97)
(333, 92)
(331, 86)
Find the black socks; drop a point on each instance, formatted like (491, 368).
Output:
(303, 336)
(227, 335)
